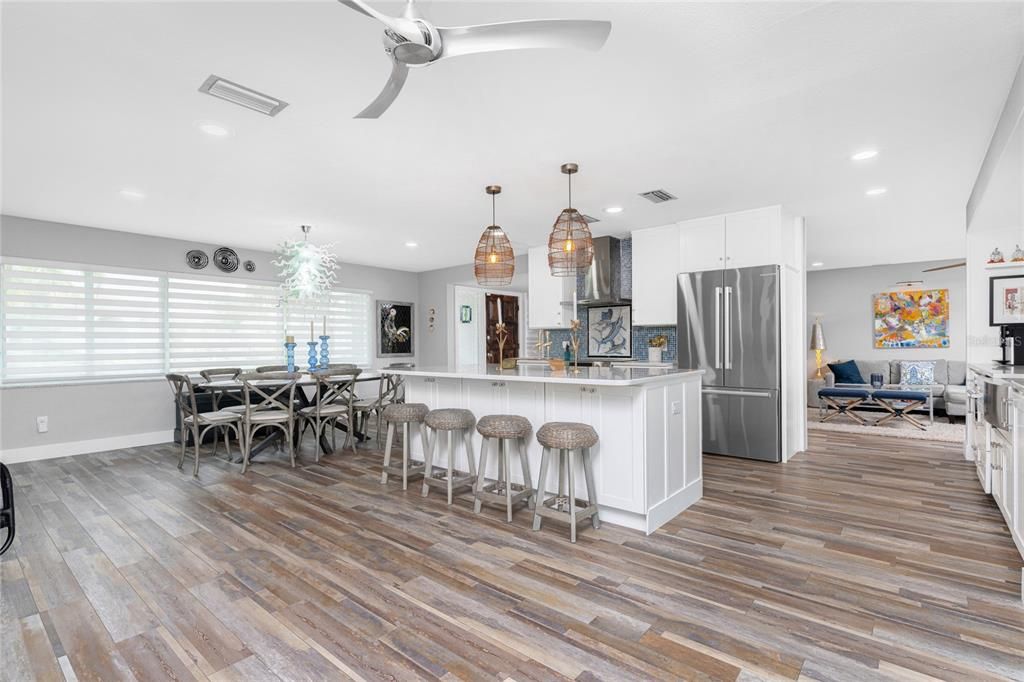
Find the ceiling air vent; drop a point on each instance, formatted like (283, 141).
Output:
(590, 219)
(242, 96)
(657, 196)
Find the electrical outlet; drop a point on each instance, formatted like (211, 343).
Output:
(677, 407)
(42, 424)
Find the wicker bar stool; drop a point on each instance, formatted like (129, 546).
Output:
(405, 414)
(450, 422)
(505, 429)
(567, 438)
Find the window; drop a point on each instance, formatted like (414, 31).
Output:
(64, 323)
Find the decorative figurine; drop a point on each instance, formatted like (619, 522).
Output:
(1018, 254)
(502, 333)
(996, 256)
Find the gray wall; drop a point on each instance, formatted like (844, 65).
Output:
(98, 411)
(843, 298)
(433, 288)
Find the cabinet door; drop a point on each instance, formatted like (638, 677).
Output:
(546, 292)
(617, 459)
(753, 238)
(701, 244)
(655, 266)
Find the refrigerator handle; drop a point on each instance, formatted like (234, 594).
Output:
(718, 327)
(728, 328)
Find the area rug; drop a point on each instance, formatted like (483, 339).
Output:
(941, 430)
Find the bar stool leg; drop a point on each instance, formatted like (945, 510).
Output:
(588, 471)
(451, 463)
(481, 479)
(508, 479)
(467, 436)
(406, 446)
(387, 452)
(572, 495)
(545, 456)
(524, 462)
(428, 461)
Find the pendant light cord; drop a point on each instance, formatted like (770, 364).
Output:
(493, 199)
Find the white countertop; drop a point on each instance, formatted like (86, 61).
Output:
(996, 370)
(613, 376)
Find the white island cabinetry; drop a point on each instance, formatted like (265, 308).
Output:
(647, 464)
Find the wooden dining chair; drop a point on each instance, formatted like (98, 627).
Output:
(272, 368)
(224, 374)
(6, 506)
(390, 391)
(195, 423)
(335, 394)
(269, 400)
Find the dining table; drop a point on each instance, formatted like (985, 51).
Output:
(233, 387)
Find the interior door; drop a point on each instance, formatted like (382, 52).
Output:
(510, 316)
(751, 334)
(700, 301)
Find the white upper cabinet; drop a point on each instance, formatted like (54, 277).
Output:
(547, 292)
(753, 238)
(655, 266)
(762, 236)
(702, 244)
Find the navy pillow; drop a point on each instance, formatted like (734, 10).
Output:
(846, 372)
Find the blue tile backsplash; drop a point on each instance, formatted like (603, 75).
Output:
(641, 335)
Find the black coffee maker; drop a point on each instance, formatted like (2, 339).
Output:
(1011, 339)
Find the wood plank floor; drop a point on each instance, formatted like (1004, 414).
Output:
(863, 559)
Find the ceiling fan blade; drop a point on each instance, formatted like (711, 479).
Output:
(523, 35)
(946, 267)
(363, 8)
(399, 72)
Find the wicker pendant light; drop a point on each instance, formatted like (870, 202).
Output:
(570, 246)
(494, 262)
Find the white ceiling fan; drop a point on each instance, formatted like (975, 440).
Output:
(411, 40)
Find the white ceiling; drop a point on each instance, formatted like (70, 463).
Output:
(728, 106)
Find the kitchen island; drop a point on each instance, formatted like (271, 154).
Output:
(647, 465)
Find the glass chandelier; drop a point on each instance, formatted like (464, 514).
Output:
(494, 262)
(308, 271)
(570, 245)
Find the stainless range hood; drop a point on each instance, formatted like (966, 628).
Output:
(603, 282)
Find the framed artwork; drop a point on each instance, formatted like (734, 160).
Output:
(466, 314)
(394, 329)
(610, 331)
(1005, 300)
(912, 319)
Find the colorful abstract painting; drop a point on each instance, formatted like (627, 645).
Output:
(912, 319)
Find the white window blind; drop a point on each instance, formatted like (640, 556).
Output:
(215, 322)
(65, 323)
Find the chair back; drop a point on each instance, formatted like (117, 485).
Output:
(184, 395)
(390, 390)
(336, 387)
(342, 365)
(268, 390)
(271, 368)
(6, 506)
(220, 373)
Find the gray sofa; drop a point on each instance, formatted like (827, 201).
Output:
(949, 390)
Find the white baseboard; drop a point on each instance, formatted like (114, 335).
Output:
(82, 447)
(673, 505)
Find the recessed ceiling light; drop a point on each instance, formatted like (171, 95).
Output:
(817, 264)
(613, 209)
(864, 155)
(214, 129)
(412, 245)
(876, 191)
(132, 194)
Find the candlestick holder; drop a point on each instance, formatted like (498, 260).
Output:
(502, 333)
(290, 354)
(325, 355)
(312, 359)
(574, 339)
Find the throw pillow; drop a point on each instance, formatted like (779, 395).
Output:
(846, 372)
(917, 373)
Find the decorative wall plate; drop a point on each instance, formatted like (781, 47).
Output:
(226, 259)
(249, 266)
(196, 259)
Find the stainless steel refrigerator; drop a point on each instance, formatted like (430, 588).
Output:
(728, 325)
